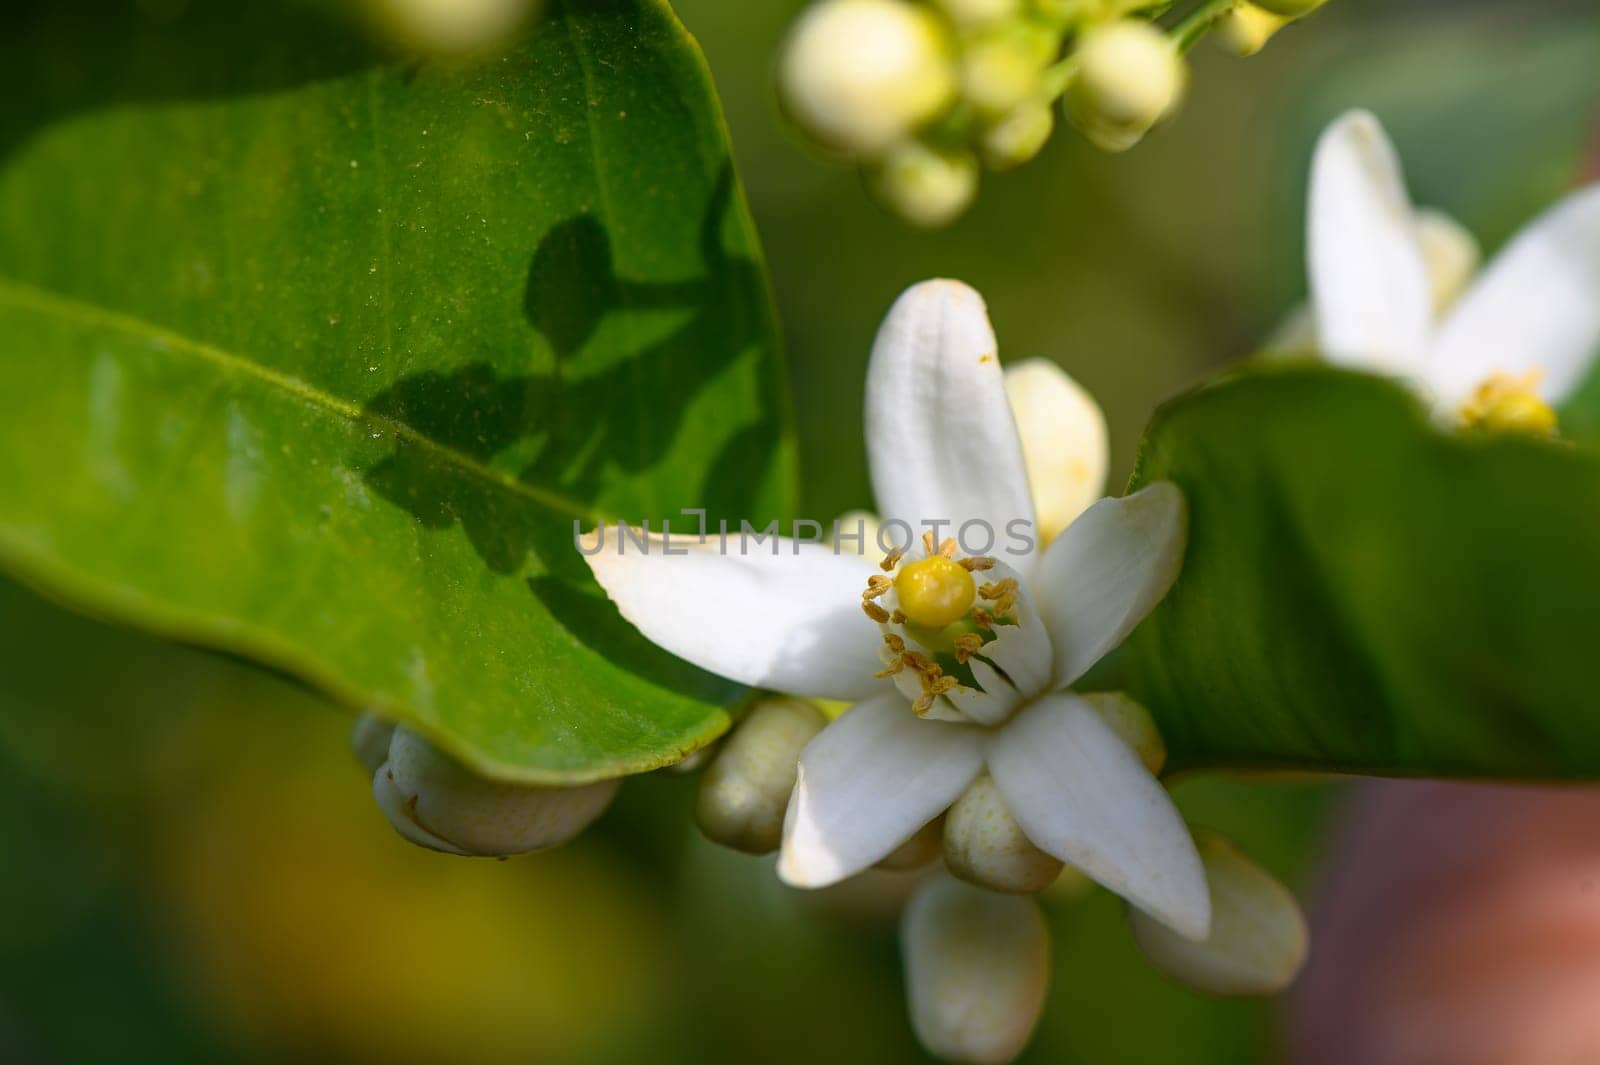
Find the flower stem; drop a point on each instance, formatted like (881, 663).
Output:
(1197, 22)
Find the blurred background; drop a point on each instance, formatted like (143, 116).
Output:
(191, 865)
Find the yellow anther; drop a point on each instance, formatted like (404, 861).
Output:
(890, 670)
(981, 618)
(874, 611)
(929, 545)
(948, 548)
(935, 591)
(898, 617)
(891, 560)
(967, 645)
(999, 589)
(942, 685)
(977, 565)
(1509, 403)
(877, 585)
(896, 644)
(923, 704)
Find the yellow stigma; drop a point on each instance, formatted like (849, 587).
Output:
(935, 591)
(1508, 403)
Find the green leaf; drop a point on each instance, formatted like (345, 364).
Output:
(317, 356)
(1365, 593)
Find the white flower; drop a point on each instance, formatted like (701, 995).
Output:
(965, 665)
(1389, 294)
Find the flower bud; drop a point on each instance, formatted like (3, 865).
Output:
(984, 845)
(1129, 77)
(436, 803)
(369, 739)
(926, 187)
(1258, 937)
(450, 27)
(1004, 67)
(1133, 725)
(1451, 255)
(918, 851)
(1018, 135)
(745, 790)
(977, 967)
(1245, 29)
(975, 14)
(1290, 8)
(860, 75)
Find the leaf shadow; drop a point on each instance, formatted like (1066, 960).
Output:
(64, 57)
(573, 432)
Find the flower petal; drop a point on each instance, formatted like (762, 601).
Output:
(1083, 795)
(1369, 282)
(1107, 571)
(940, 436)
(1064, 442)
(1536, 307)
(778, 614)
(867, 783)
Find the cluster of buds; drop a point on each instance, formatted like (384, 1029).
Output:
(926, 94)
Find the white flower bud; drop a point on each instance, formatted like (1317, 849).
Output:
(984, 845)
(926, 187)
(860, 75)
(1065, 446)
(451, 27)
(745, 790)
(1004, 67)
(1129, 77)
(975, 14)
(1018, 135)
(977, 967)
(1244, 30)
(435, 802)
(369, 739)
(1290, 8)
(917, 852)
(1451, 255)
(1133, 725)
(1258, 937)
(863, 523)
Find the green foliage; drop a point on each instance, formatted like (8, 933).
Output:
(316, 356)
(1364, 592)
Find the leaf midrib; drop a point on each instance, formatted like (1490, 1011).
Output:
(31, 298)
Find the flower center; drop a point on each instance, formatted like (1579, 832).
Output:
(959, 650)
(935, 591)
(1509, 403)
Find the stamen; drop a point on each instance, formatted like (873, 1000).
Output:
(877, 585)
(896, 644)
(897, 666)
(928, 542)
(967, 645)
(982, 619)
(976, 565)
(892, 559)
(1509, 403)
(948, 548)
(923, 704)
(898, 617)
(874, 611)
